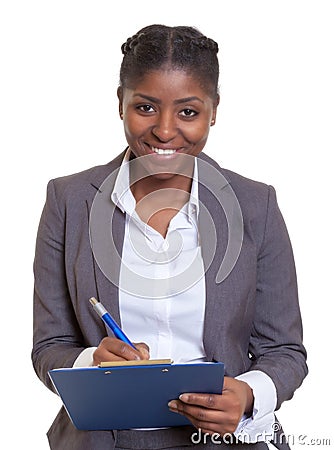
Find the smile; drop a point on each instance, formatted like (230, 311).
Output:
(160, 151)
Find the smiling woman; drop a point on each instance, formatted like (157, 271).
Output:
(170, 218)
(168, 98)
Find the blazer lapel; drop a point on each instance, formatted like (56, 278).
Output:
(216, 207)
(106, 231)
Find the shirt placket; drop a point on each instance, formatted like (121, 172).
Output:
(161, 298)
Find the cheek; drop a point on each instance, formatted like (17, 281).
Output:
(131, 130)
(198, 132)
(134, 127)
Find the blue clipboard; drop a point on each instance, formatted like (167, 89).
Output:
(123, 397)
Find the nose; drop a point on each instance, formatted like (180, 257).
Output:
(165, 128)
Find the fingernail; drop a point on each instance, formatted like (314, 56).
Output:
(172, 404)
(184, 397)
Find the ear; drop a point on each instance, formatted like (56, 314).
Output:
(120, 101)
(214, 112)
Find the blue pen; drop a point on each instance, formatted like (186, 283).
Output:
(109, 321)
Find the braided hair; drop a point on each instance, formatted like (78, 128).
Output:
(158, 46)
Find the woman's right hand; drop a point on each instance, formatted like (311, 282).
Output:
(112, 349)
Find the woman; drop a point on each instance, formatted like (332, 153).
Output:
(199, 264)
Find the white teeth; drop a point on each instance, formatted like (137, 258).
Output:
(160, 151)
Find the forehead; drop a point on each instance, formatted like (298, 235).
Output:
(171, 82)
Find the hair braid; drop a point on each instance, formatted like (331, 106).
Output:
(207, 43)
(131, 43)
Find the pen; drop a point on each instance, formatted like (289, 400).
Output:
(109, 321)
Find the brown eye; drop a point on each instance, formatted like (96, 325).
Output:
(146, 108)
(187, 112)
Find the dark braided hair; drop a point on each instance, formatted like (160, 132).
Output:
(158, 46)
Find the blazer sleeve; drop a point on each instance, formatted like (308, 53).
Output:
(276, 340)
(57, 340)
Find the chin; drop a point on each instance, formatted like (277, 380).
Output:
(163, 176)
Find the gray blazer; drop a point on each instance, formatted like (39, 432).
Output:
(252, 317)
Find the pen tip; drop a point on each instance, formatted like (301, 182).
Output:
(93, 301)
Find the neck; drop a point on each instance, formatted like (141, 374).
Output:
(147, 184)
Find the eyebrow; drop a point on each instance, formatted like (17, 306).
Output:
(176, 102)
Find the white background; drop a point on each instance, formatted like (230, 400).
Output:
(59, 74)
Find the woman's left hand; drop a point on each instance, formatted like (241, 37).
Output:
(214, 413)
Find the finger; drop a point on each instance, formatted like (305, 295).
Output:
(116, 350)
(104, 356)
(226, 402)
(143, 349)
(200, 419)
(197, 413)
(210, 401)
(211, 420)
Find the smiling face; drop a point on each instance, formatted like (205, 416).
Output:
(166, 114)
